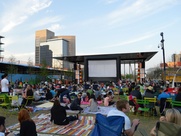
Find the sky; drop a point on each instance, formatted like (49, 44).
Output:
(100, 26)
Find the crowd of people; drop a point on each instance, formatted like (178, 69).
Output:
(95, 93)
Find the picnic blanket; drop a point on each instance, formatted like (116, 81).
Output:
(102, 109)
(48, 106)
(81, 127)
(87, 103)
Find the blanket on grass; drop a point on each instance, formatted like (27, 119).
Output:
(48, 106)
(102, 109)
(81, 127)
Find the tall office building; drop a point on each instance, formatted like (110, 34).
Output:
(176, 57)
(1, 49)
(59, 45)
(46, 55)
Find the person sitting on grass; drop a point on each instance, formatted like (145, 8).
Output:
(108, 99)
(122, 107)
(86, 98)
(75, 104)
(59, 115)
(66, 100)
(93, 103)
(3, 128)
(27, 125)
(48, 95)
(172, 116)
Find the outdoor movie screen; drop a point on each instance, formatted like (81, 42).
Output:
(102, 68)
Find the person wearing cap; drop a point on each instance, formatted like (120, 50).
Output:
(136, 92)
(149, 92)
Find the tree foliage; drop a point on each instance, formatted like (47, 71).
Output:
(30, 65)
(11, 68)
(43, 71)
(155, 74)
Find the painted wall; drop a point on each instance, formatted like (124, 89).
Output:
(20, 77)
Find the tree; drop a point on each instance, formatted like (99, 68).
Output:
(11, 68)
(156, 73)
(30, 71)
(44, 71)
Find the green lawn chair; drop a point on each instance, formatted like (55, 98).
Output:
(5, 100)
(143, 106)
(176, 105)
(123, 97)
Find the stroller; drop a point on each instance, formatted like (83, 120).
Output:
(108, 126)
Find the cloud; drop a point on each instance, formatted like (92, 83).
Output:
(16, 15)
(110, 1)
(131, 41)
(55, 27)
(143, 36)
(137, 10)
(21, 57)
(46, 21)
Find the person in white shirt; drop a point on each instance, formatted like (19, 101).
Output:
(5, 84)
(122, 108)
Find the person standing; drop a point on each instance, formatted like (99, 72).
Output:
(5, 84)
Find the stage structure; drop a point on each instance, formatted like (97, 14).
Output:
(107, 67)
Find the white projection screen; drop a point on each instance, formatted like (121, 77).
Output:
(102, 68)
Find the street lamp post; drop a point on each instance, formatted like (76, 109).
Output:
(162, 47)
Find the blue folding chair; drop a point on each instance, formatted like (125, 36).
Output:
(108, 126)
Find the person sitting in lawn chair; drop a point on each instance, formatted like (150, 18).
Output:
(28, 92)
(172, 116)
(122, 107)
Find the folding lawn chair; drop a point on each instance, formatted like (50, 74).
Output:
(167, 129)
(108, 126)
(142, 132)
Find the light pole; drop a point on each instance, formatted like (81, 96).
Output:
(162, 47)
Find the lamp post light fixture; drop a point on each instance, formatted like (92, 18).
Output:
(162, 47)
